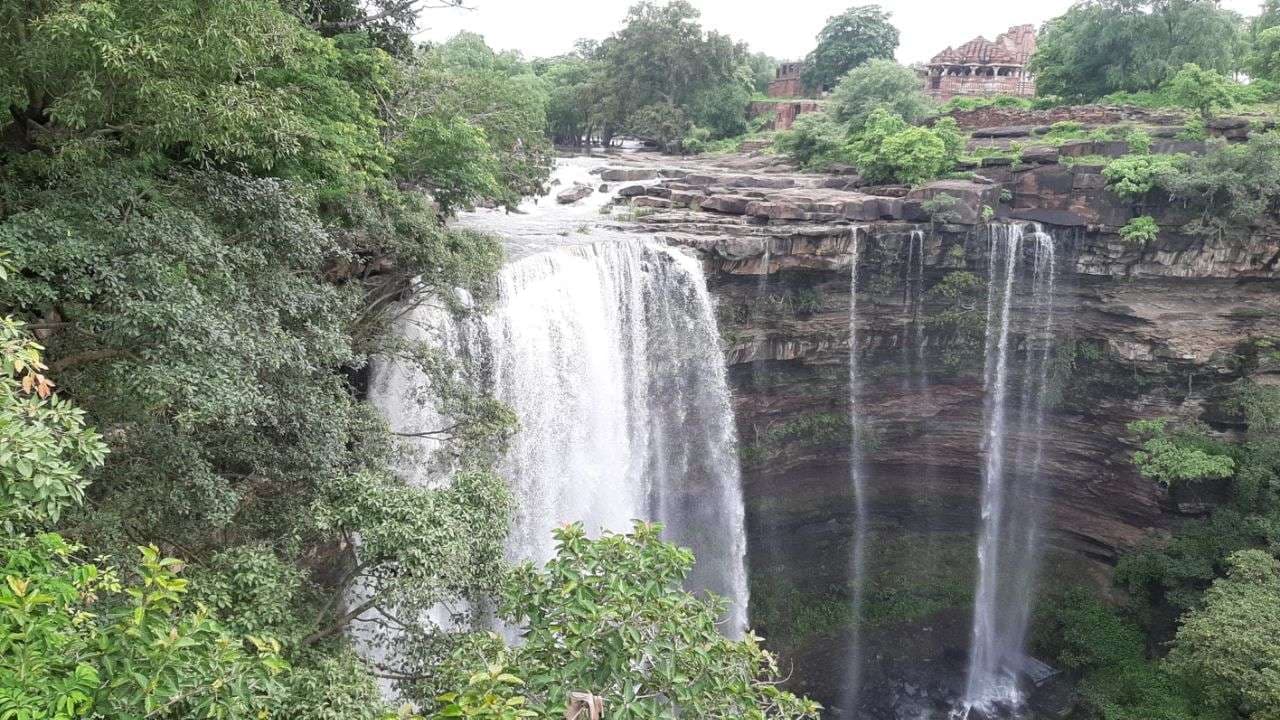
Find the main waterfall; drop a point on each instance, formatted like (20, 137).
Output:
(610, 357)
(1008, 546)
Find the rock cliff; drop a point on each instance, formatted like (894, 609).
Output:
(1139, 332)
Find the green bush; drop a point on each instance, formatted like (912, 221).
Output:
(879, 84)
(815, 141)
(1169, 456)
(610, 615)
(1133, 176)
(1078, 633)
(890, 150)
(1140, 231)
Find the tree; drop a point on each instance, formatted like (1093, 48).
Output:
(208, 211)
(1227, 649)
(1103, 46)
(1264, 58)
(848, 40)
(1233, 184)
(879, 84)
(763, 70)
(662, 57)
(890, 150)
(1199, 89)
(82, 642)
(610, 615)
(469, 124)
(814, 141)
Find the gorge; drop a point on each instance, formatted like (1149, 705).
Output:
(902, 501)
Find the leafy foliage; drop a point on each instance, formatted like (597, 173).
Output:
(609, 615)
(883, 84)
(1140, 231)
(1133, 176)
(1233, 184)
(1084, 636)
(44, 444)
(1200, 89)
(1224, 648)
(848, 40)
(814, 141)
(1105, 46)
(1169, 457)
(890, 150)
(83, 642)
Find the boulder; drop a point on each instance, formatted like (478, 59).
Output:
(573, 194)
(731, 204)
(867, 208)
(650, 202)
(604, 187)
(628, 174)
(686, 198)
(632, 191)
(1106, 148)
(970, 196)
(658, 191)
(776, 210)
(1040, 155)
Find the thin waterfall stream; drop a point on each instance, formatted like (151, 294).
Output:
(857, 481)
(1008, 545)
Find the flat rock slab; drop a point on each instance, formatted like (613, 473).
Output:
(628, 174)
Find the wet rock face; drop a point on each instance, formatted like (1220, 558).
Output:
(1138, 333)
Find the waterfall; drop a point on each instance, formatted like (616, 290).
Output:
(857, 481)
(610, 357)
(1009, 537)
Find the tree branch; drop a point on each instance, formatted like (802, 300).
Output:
(387, 12)
(88, 357)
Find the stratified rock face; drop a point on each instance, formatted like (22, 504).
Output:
(1139, 332)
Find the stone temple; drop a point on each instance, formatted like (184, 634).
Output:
(983, 68)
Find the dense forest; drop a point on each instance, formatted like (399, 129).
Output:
(212, 213)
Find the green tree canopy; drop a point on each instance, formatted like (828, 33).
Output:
(879, 83)
(848, 40)
(1226, 649)
(1103, 46)
(610, 615)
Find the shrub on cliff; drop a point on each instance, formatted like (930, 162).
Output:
(1234, 184)
(1133, 176)
(1179, 454)
(1140, 231)
(889, 150)
(815, 141)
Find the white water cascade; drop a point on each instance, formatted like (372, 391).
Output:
(609, 355)
(1008, 546)
(857, 481)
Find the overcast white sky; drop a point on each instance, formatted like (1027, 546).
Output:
(782, 28)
